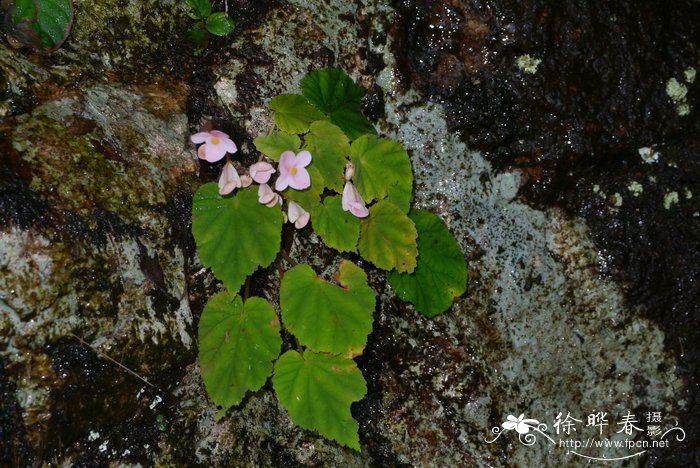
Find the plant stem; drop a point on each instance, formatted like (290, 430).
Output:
(289, 259)
(113, 360)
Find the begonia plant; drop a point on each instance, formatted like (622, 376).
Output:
(335, 177)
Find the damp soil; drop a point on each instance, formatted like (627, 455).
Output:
(573, 128)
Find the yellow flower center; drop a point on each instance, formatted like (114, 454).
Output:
(293, 170)
(215, 141)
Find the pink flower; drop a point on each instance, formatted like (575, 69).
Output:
(353, 202)
(349, 171)
(229, 180)
(261, 172)
(292, 172)
(216, 145)
(267, 197)
(298, 215)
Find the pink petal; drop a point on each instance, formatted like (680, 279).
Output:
(261, 172)
(294, 211)
(301, 180)
(359, 210)
(229, 145)
(303, 159)
(350, 195)
(275, 200)
(265, 194)
(302, 221)
(282, 181)
(246, 180)
(202, 152)
(218, 134)
(229, 180)
(214, 153)
(287, 160)
(199, 137)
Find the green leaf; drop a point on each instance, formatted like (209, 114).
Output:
(326, 317)
(388, 238)
(198, 38)
(52, 19)
(382, 170)
(309, 198)
(235, 234)
(317, 391)
(202, 8)
(220, 24)
(441, 273)
(237, 344)
(274, 145)
(334, 93)
(328, 146)
(338, 229)
(293, 113)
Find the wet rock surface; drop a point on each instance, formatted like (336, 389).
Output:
(568, 94)
(581, 294)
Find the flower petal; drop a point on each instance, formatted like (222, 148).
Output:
(214, 153)
(509, 425)
(302, 221)
(261, 172)
(275, 200)
(302, 159)
(265, 194)
(202, 152)
(282, 182)
(294, 211)
(229, 145)
(229, 180)
(287, 160)
(218, 134)
(198, 138)
(359, 210)
(301, 180)
(246, 180)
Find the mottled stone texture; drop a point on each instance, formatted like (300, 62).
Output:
(101, 288)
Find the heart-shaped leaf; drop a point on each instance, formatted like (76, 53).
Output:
(274, 145)
(338, 229)
(388, 238)
(235, 235)
(317, 391)
(441, 273)
(294, 113)
(201, 8)
(382, 170)
(334, 93)
(237, 344)
(326, 317)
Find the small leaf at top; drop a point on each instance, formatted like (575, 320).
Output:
(51, 19)
(294, 113)
(441, 273)
(388, 238)
(235, 235)
(237, 344)
(326, 317)
(329, 146)
(317, 391)
(220, 24)
(333, 92)
(338, 228)
(202, 8)
(277, 143)
(382, 170)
